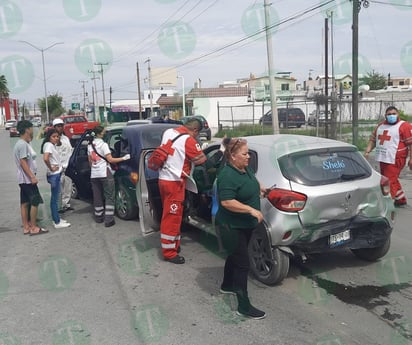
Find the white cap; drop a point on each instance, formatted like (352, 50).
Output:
(58, 122)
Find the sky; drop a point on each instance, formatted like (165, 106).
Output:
(208, 40)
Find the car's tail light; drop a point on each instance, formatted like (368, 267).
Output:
(287, 235)
(385, 185)
(286, 200)
(134, 177)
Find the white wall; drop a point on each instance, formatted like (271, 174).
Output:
(208, 108)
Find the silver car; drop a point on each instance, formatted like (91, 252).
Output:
(323, 196)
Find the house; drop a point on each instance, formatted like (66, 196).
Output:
(8, 110)
(205, 101)
(259, 87)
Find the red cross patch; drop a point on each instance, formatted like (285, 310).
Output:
(384, 137)
(173, 208)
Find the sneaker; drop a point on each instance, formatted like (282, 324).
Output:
(61, 225)
(176, 260)
(63, 220)
(251, 313)
(227, 290)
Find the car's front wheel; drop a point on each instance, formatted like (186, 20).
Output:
(126, 208)
(75, 191)
(269, 265)
(373, 254)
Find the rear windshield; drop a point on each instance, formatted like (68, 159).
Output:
(320, 167)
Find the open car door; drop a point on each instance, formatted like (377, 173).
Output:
(148, 196)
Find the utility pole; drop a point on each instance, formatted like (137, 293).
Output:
(357, 5)
(150, 85)
(275, 122)
(104, 97)
(42, 50)
(84, 95)
(95, 98)
(139, 95)
(326, 78)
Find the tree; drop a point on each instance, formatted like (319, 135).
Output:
(375, 80)
(54, 105)
(4, 93)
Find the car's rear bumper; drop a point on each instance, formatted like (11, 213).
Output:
(364, 233)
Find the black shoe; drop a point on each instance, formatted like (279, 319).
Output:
(401, 204)
(246, 309)
(251, 313)
(99, 220)
(69, 208)
(227, 290)
(176, 260)
(62, 210)
(179, 250)
(109, 224)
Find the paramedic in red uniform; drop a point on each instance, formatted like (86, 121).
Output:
(172, 183)
(392, 139)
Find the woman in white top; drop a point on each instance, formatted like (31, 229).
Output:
(54, 168)
(101, 177)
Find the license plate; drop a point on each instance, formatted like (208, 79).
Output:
(340, 238)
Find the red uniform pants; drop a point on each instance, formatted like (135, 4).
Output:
(392, 171)
(173, 195)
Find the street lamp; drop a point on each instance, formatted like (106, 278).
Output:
(183, 94)
(42, 50)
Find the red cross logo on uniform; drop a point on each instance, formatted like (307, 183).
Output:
(173, 208)
(384, 137)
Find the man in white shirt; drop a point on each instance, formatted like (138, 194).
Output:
(64, 148)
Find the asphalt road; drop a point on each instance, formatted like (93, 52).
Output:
(90, 285)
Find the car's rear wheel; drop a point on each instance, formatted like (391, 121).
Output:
(269, 265)
(373, 254)
(125, 207)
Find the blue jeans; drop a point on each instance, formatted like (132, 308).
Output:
(54, 181)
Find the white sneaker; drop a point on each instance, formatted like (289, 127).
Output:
(61, 225)
(63, 220)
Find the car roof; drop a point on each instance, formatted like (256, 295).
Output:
(283, 144)
(146, 136)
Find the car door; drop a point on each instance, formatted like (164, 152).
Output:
(79, 169)
(148, 196)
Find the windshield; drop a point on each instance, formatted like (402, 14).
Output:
(320, 167)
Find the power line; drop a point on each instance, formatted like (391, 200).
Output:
(250, 38)
(132, 50)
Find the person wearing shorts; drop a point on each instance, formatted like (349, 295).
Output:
(30, 198)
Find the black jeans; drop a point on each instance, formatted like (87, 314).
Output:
(237, 263)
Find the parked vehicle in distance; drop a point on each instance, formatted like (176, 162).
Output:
(318, 118)
(36, 122)
(13, 132)
(75, 126)
(206, 131)
(9, 124)
(121, 139)
(287, 117)
(323, 196)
